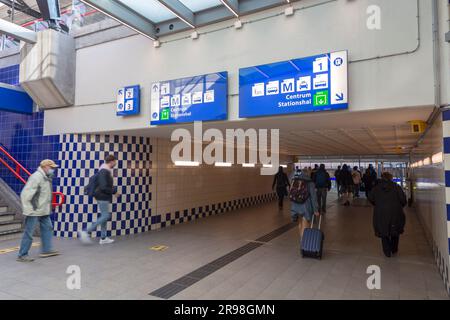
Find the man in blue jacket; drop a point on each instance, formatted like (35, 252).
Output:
(104, 191)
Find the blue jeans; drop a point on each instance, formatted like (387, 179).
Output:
(105, 216)
(46, 227)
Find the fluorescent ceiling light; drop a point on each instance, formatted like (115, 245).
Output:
(267, 165)
(222, 164)
(437, 158)
(187, 163)
(248, 165)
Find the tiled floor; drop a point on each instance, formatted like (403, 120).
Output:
(127, 269)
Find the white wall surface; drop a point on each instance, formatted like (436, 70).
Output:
(398, 81)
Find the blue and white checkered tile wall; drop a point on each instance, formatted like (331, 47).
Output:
(172, 218)
(443, 267)
(79, 158)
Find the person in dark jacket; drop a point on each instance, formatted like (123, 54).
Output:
(373, 173)
(389, 200)
(337, 176)
(346, 184)
(314, 171)
(323, 185)
(104, 191)
(368, 182)
(281, 181)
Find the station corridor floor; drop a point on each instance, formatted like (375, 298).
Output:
(218, 258)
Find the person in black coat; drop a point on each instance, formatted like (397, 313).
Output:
(346, 184)
(368, 181)
(281, 181)
(389, 200)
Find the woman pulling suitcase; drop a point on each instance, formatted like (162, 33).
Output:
(304, 207)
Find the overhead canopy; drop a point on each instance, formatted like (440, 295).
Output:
(155, 18)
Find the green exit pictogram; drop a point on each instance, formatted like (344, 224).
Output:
(165, 114)
(321, 98)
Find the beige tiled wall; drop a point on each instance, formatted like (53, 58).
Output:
(179, 188)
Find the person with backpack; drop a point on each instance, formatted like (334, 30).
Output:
(36, 198)
(303, 199)
(102, 189)
(389, 219)
(281, 181)
(357, 179)
(337, 176)
(347, 185)
(323, 185)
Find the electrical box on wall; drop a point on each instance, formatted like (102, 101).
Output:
(418, 126)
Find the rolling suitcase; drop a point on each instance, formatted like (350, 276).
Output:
(312, 241)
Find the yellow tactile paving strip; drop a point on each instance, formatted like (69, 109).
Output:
(13, 249)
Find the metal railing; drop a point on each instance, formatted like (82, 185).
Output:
(18, 170)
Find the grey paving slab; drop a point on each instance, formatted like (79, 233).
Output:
(127, 269)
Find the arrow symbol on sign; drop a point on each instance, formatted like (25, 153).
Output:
(155, 87)
(339, 96)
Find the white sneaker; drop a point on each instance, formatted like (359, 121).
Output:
(84, 237)
(106, 241)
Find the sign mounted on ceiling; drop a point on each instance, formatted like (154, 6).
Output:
(317, 83)
(128, 101)
(199, 98)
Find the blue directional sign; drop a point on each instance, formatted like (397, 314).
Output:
(317, 83)
(15, 99)
(199, 98)
(129, 101)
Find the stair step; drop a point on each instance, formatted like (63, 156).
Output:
(7, 217)
(3, 209)
(10, 235)
(10, 225)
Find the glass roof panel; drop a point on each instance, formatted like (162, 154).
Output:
(150, 9)
(199, 5)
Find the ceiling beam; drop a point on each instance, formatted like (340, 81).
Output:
(356, 141)
(124, 15)
(374, 137)
(17, 32)
(325, 145)
(232, 5)
(217, 14)
(180, 10)
(22, 7)
(326, 135)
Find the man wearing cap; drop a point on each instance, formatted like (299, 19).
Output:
(36, 200)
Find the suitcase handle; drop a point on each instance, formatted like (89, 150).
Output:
(312, 221)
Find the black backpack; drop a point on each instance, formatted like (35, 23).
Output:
(299, 193)
(92, 185)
